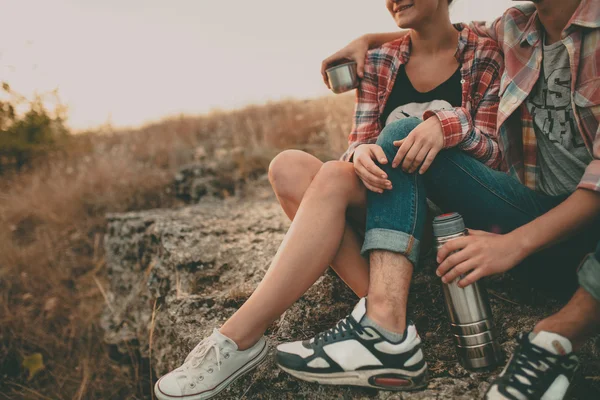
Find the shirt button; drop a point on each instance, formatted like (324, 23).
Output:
(462, 81)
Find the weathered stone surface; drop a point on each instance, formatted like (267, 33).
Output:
(192, 267)
(195, 181)
(220, 174)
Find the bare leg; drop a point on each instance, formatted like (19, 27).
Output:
(578, 321)
(390, 278)
(290, 174)
(308, 248)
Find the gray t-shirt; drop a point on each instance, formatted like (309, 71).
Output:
(561, 153)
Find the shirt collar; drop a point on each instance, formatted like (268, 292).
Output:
(463, 42)
(587, 15)
(533, 31)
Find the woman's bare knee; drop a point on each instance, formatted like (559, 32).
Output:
(291, 172)
(337, 178)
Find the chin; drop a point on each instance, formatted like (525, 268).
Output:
(406, 23)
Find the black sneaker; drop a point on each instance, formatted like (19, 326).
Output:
(542, 367)
(350, 354)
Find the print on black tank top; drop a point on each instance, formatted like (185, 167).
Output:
(405, 101)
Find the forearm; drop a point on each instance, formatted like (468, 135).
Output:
(459, 131)
(559, 223)
(379, 39)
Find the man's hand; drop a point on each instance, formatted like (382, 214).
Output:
(355, 51)
(374, 178)
(421, 146)
(481, 254)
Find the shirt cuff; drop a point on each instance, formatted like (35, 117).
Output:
(349, 154)
(591, 177)
(452, 125)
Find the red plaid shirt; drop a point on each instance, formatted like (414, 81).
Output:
(519, 33)
(471, 127)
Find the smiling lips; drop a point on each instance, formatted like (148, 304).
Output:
(404, 8)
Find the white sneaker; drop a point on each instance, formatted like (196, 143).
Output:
(213, 365)
(541, 367)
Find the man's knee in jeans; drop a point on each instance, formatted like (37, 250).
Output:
(394, 131)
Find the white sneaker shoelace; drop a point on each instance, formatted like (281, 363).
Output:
(197, 361)
(201, 351)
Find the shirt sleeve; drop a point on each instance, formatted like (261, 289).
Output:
(591, 176)
(473, 128)
(366, 126)
(491, 30)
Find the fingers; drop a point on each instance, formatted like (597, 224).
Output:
(474, 232)
(373, 168)
(411, 156)
(379, 185)
(428, 160)
(404, 148)
(324, 66)
(371, 187)
(380, 154)
(451, 247)
(459, 270)
(398, 143)
(452, 261)
(418, 159)
(473, 277)
(360, 66)
(372, 181)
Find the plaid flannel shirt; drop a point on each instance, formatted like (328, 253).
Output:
(519, 33)
(471, 127)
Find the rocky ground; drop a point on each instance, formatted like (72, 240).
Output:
(176, 274)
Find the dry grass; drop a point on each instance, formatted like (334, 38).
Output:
(52, 227)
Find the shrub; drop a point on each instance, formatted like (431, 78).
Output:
(27, 135)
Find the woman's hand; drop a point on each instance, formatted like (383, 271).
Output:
(355, 51)
(480, 253)
(374, 178)
(421, 146)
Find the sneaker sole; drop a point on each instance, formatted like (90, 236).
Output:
(255, 362)
(389, 379)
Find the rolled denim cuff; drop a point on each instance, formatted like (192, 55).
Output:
(589, 276)
(394, 241)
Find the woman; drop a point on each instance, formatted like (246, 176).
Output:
(452, 76)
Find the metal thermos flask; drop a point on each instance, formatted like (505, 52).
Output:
(468, 308)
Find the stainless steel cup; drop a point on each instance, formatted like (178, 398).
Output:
(472, 325)
(343, 77)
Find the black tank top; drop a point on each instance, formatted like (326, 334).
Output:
(406, 101)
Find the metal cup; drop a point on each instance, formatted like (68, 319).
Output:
(343, 77)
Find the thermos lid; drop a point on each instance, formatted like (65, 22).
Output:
(448, 224)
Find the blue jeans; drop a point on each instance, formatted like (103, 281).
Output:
(589, 274)
(488, 200)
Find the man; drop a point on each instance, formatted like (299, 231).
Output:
(548, 123)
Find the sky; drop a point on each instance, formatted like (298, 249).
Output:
(128, 62)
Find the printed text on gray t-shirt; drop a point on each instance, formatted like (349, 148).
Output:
(562, 156)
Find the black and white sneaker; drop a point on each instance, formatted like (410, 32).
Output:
(542, 367)
(350, 354)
